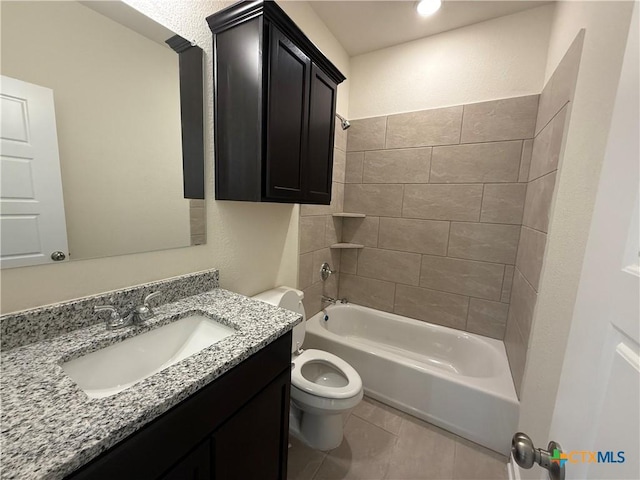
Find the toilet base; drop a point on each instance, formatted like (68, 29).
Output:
(320, 432)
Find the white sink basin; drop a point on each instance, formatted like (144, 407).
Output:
(115, 368)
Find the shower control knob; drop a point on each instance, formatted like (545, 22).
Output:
(58, 256)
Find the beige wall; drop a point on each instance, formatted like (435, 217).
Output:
(444, 201)
(606, 25)
(119, 139)
(500, 58)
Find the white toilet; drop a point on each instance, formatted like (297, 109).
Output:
(323, 386)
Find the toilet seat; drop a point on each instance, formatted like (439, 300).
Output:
(354, 382)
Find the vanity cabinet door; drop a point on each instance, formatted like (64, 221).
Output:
(252, 445)
(288, 106)
(195, 466)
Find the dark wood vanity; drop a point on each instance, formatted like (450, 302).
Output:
(234, 428)
(275, 105)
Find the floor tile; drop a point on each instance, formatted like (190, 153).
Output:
(379, 414)
(423, 451)
(473, 462)
(303, 461)
(363, 454)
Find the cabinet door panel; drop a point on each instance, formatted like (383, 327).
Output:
(252, 445)
(288, 76)
(321, 130)
(195, 466)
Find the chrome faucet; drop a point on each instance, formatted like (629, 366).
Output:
(144, 312)
(138, 315)
(324, 299)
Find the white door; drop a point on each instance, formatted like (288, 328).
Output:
(32, 221)
(598, 401)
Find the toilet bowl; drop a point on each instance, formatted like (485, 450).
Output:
(323, 386)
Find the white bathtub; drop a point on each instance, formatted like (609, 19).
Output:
(453, 379)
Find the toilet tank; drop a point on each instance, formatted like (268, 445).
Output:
(290, 299)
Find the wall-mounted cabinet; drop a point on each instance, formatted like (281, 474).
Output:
(275, 102)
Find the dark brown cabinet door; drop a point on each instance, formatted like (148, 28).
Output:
(195, 466)
(252, 445)
(319, 167)
(288, 103)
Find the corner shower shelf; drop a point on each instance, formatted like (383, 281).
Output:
(346, 245)
(349, 215)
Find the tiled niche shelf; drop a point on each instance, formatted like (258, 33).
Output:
(349, 215)
(346, 245)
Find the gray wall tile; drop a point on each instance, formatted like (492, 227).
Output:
(312, 233)
(373, 199)
(487, 242)
(366, 134)
(516, 353)
(333, 231)
(349, 261)
(531, 255)
(311, 300)
(523, 302)
(421, 236)
(537, 204)
(409, 165)
(442, 202)
(503, 203)
(361, 230)
(487, 318)
(561, 86)
(476, 163)
(353, 170)
(367, 292)
(339, 165)
(547, 145)
(506, 284)
(465, 277)
(440, 126)
(434, 307)
(525, 160)
(508, 119)
(305, 270)
(389, 265)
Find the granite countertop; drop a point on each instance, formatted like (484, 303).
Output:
(50, 427)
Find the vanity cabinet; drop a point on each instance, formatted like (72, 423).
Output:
(275, 103)
(234, 428)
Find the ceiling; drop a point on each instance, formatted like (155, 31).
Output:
(364, 26)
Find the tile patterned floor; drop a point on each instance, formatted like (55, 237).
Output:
(381, 443)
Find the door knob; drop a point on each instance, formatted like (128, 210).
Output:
(525, 455)
(58, 256)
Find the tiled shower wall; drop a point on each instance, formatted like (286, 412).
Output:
(318, 230)
(552, 117)
(443, 191)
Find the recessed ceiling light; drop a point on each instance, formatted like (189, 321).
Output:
(428, 7)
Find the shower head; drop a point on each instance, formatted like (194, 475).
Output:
(344, 121)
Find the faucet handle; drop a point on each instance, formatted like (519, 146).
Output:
(145, 302)
(115, 320)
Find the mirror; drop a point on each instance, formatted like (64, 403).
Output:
(115, 101)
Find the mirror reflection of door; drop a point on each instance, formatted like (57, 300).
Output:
(32, 219)
(116, 87)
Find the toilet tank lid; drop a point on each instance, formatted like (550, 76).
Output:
(285, 297)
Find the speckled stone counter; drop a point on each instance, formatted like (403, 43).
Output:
(50, 427)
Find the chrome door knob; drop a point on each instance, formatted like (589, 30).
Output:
(525, 455)
(58, 256)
